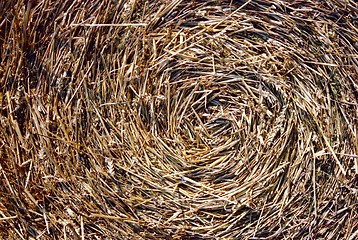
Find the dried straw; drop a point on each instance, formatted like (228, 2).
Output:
(178, 119)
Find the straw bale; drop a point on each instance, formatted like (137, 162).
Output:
(136, 119)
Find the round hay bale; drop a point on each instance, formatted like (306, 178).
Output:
(178, 119)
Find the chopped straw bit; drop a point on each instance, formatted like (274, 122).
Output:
(195, 119)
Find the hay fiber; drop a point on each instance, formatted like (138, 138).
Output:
(138, 119)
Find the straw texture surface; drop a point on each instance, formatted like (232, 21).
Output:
(178, 119)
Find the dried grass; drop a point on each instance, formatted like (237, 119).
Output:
(178, 119)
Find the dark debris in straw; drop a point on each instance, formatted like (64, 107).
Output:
(178, 119)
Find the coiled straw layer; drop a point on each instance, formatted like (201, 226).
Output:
(178, 119)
